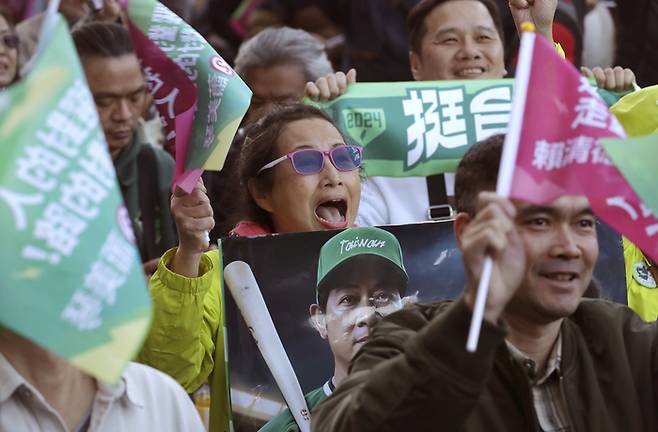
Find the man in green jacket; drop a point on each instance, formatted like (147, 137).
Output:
(361, 278)
(546, 360)
(144, 172)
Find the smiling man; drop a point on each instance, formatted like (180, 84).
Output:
(449, 40)
(361, 278)
(547, 359)
(456, 40)
(144, 172)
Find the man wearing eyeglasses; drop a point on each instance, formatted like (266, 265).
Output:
(361, 278)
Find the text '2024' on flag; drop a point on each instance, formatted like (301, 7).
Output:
(198, 95)
(72, 280)
(560, 150)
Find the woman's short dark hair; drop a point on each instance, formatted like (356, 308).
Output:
(416, 20)
(260, 148)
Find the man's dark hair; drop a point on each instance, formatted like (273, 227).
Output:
(99, 39)
(477, 172)
(417, 27)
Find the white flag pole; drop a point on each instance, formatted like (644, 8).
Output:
(506, 170)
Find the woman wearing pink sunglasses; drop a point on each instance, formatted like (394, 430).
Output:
(296, 173)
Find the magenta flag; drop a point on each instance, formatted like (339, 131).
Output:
(559, 152)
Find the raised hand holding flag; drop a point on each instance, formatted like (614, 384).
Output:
(560, 152)
(553, 149)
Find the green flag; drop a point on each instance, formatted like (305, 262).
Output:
(72, 279)
(636, 159)
(422, 128)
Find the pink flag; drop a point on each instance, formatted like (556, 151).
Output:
(559, 152)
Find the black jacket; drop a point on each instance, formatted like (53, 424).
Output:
(414, 374)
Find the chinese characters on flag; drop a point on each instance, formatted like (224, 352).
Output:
(560, 153)
(200, 99)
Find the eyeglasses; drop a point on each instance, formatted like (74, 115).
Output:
(9, 39)
(311, 161)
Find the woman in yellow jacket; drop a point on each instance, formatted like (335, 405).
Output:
(298, 175)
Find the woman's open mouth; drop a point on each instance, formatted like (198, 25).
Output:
(332, 213)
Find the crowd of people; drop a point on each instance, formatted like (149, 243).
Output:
(547, 360)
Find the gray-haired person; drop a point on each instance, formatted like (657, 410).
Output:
(277, 63)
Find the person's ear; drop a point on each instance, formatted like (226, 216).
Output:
(461, 220)
(416, 65)
(263, 199)
(318, 320)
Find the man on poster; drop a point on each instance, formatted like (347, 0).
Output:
(361, 278)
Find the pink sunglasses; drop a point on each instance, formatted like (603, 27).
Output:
(311, 161)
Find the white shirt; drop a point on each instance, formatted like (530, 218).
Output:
(396, 200)
(144, 399)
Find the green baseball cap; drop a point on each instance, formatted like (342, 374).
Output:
(354, 242)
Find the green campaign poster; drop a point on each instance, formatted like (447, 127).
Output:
(423, 128)
(420, 128)
(72, 280)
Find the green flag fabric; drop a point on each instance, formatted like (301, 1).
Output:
(72, 279)
(200, 98)
(422, 128)
(636, 159)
